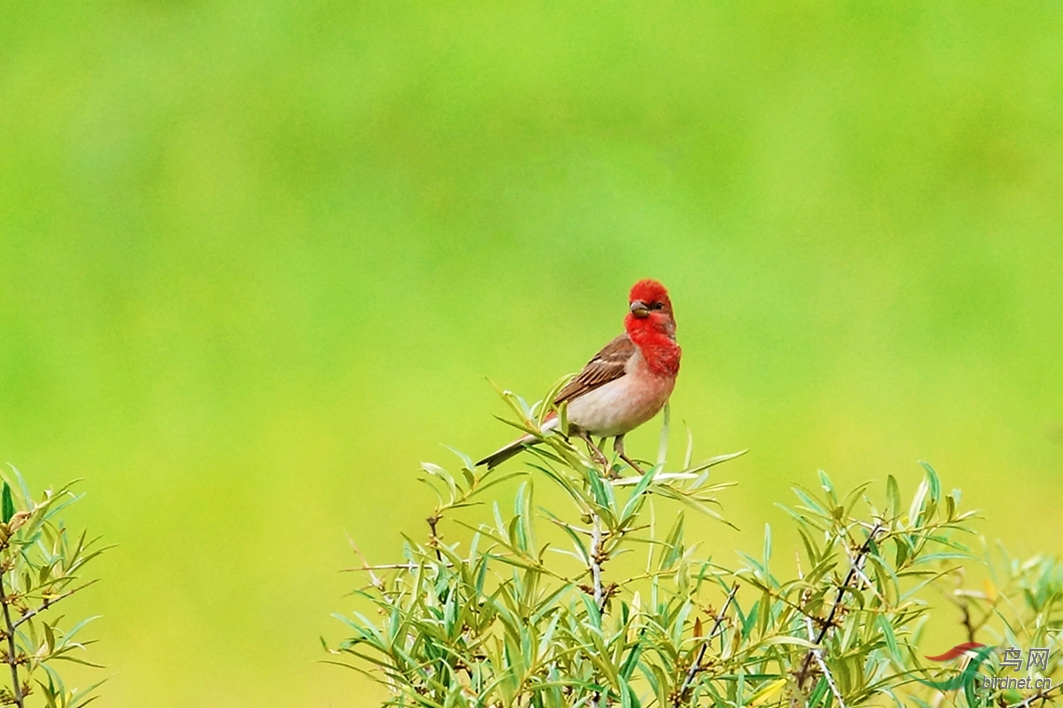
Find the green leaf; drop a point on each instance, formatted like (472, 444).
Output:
(934, 482)
(796, 641)
(891, 639)
(8, 503)
(810, 545)
(719, 459)
(633, 502)
(767, 546)
(662, 447)
(915, 511)
(811, 503)
(818, 693)
(825, 482)
(893, 497)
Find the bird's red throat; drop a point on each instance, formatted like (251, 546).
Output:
(653, 336)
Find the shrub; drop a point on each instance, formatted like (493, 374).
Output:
(512, 617)
(41, 563)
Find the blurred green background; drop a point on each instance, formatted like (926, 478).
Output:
(257, 259)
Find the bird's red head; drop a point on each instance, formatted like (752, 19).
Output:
(650, 310)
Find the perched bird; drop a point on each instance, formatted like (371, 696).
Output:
(624, 385)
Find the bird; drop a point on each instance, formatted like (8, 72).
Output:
(623, 386)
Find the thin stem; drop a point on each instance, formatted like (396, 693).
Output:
(854, 568)
(830, 679)
(696, 666)
(49, 602)
(433, 539)
(570, 527)
(966, 619)
(596, 562)
(962, 599)
(1040, 695)
(12, 651)
(818, 653)
(387, 566)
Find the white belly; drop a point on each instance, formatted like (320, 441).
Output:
(620, 406)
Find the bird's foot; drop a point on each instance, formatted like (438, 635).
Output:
(618, 448)
(634, 465)
(612, 471)
(597, 455)
(601, 461)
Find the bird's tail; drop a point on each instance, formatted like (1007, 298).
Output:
(501, 455)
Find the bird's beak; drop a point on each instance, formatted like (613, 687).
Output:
(639, 309)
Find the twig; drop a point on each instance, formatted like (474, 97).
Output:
(376, 581)
(962, 599)
(1040, 695)
(49, 602)
(595, 560)
(596, 563)
(817, 653)
(12, 651)
(696, 666)
(433, 540)
(863, 577)
(659, 477)
(966, 620)
(387, 566)
(570, 527)
(823, 665)
(830, 679)
(802, 673)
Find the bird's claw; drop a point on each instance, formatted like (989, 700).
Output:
(634, 465)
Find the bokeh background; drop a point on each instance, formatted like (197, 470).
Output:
(257, 259)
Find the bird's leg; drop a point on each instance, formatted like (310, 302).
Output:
(618, 446)
(611, 472)
(596, 453)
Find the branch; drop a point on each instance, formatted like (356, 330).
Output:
(12, 650)
(966, 620)
(818, 654)
(1040, 695)
(596, 562)
(570, 527)
(433, 538)
(48, 602)
(596, 558)
(696, 666)
(388, 566)
(854, 568)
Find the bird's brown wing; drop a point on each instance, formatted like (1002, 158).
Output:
(607, 365)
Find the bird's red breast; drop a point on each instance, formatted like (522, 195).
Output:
(654, 332)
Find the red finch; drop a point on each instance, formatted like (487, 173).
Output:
(624, 385)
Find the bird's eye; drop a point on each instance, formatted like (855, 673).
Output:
(657, 305)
